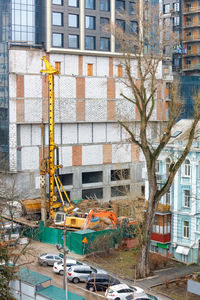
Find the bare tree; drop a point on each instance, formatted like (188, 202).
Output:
(143, 52)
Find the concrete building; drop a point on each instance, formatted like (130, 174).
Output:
(98, 160)
(177, 225)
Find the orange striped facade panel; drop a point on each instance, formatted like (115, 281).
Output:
(111, 88)
(77, 155)
(20, 86)
(107, 154)
(80, 88)
(80, 110)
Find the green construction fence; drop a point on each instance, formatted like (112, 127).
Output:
(80, 242)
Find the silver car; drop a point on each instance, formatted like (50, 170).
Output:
(81, 273)
(48, 259)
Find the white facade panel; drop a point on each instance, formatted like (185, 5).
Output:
(85, 133)
(96, 88)
(121, 88)
(92, 155)
(12, 110)
(32, 86)
(69, 134)
(125, 110)
(57, 134)
(12, 147)
(95, 110)
(17, 61)
(33, 110)
(25, 135)
(121, 153)
(113, 132)
(65, 156)
(65, 87)
(33, 61)
(65, 110)
(30, 158)
(102, 66)
(89, 60)
(134, 68)
(71, 65)
(12, 86)
(99, 133)
(36, 135)
(58, 58)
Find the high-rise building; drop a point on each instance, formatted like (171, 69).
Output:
(96, 155)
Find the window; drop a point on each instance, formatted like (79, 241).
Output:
(187, 167)
(133, 27)
(57, 2)
(167, 197)
(121, 24)
(90, 22)
(90, 177)
(168, 163)
(90, 4)
(90, 42)
(57, 19)
(122, 190)
(66, 179)
(122, 174)
(74, 3)
(73, 20)
(105, 5)
(105, 44)
(131, 8)
(104, 21)
(120, 5)
(92, 193)
(90, 69)
(57, 40)
(176, 21)
(73, 41)
(186, 198)
(186, 229)
(176, 6)
(166, 8)
(119, 71)
(199, 170)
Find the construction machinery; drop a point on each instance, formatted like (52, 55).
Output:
(48, 165)
(103, 214)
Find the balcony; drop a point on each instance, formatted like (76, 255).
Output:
(161, 207)
(191, 24)
(191, 38)
(191, 10)
(162, 238)
(191, 67)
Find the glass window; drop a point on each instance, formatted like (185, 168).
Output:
(57, 2)
(120, 5)
(104, 21)
(73, 20)
(187, 198)
(90, 43)
(105, 44)
(167, 197)
(166, 8)
(57, 40)
(133, 27)
(74, 3)
(73, 41)
(176, 6)
(157, 166)
(131, 8)
(90, 22)
(121, 24)
(90, 4)
(105, 5)
(176, 21)
(57, 19)
(186, 229)
(187, 167)
(168, 163)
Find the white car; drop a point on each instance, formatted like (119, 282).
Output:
(122, 291)
(58, 267)
(81, 273)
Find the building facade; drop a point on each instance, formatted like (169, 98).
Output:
(177, 226)
(98, 160)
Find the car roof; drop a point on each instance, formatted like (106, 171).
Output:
(52, 254)
(100, 275)
(80, 267)
(119, 286)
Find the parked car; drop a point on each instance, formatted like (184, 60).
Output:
(81, 273)
(100, 282)
(124, 292)
(48, 259)
(58, 267)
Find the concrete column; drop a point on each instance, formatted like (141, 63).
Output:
(82, 27)
(48, 25)
(112, 19)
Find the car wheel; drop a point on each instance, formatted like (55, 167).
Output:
(117, 298)
(45, 263)
(75, 280)
(61, 272)
(91, 288)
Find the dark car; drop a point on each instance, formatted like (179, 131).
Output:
(100, 282)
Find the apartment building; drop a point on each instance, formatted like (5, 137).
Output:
(98, 159)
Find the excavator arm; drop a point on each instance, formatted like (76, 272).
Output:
(100, 213)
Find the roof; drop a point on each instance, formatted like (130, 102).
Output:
(32, 277)
(55, 293)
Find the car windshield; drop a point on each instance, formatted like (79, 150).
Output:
(110, 291)
(94, 270)
(44, 254)
(60, 263)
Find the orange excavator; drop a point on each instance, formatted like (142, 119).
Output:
(94, 213)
